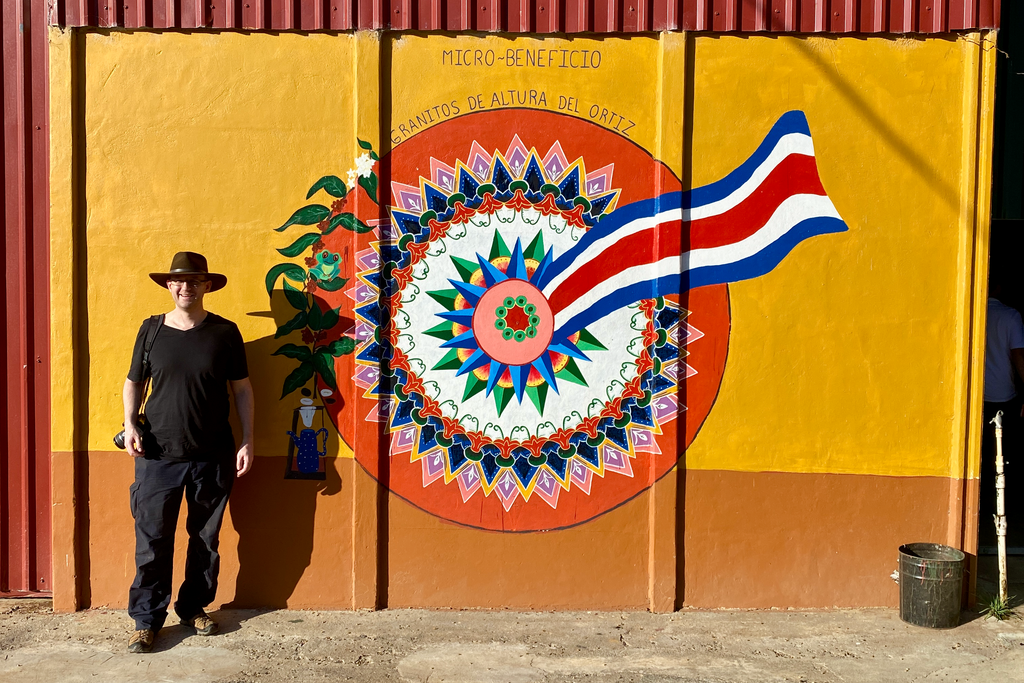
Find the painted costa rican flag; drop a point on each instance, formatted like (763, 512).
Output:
(738, 228)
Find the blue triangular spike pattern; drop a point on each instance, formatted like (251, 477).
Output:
(370, 312)
(570, 185)
(556, 464)
(456, 457)
(641, 416)
(470, 292)
(436, 200)
(467, 184)
(408, 223)
(372, 353)
(500, 177)
(403, 414)
(390, 253)
(489, 466)
(617, 436)
(534, 175)
(597, 206)
(667, 352)
(524, 471)
(588, 453)
(667, 317)
(661, 383)
(428, 434)
(517, 264)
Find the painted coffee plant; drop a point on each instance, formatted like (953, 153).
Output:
(322, 271)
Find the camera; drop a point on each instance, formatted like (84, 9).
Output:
(141, 425)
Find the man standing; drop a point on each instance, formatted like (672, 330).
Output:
(186, 447)
(1004, 366)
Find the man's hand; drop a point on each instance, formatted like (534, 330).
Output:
(242, 389)
(132, 395)
(243, 461)
(133, 442)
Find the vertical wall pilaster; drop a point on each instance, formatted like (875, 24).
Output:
(664, 495)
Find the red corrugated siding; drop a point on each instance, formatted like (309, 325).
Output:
(25, 456)
(539, 16)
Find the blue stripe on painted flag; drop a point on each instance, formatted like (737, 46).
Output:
(790, 122)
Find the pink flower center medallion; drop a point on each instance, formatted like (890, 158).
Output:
(513, 322)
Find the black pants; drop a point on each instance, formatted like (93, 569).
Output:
(155, 501)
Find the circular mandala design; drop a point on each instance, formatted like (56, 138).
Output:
(491, 419)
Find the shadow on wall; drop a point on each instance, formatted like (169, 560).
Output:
(274, 519)
(273, 516)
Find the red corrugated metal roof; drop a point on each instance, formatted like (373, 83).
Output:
(538, 16)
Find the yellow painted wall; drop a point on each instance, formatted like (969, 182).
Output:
(230, 131)
(851, 357)
(850, 354)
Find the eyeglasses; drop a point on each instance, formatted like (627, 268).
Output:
(194, 283)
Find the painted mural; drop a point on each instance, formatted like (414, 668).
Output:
(538, 324)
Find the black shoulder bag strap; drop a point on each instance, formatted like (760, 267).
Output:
(155, 323)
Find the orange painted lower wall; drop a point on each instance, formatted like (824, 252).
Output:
(745, 540)
(599, 565)
(771, 539)
(284, 543)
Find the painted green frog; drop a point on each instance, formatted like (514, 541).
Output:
(327, 266)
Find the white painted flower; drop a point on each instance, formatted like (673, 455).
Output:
(432, 389)
(636, 347)
(406, 343)
(615, 389)
(410, 293)
(505, 214)
(449, 409)
(350, 179)
(420, 270)
(627, 371)
(436, 248)
(401, 320)
(364, 165)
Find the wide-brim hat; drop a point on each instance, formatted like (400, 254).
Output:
(190, 263)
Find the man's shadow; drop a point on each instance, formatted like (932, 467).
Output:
(273, 516)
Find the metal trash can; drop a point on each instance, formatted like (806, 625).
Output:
(931, 581)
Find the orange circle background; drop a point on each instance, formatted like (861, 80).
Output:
(638, 175)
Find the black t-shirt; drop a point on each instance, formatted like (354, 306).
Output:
(188, 403)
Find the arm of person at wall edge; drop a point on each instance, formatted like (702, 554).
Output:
(132, 396)
(1017, 358)
(244, 403)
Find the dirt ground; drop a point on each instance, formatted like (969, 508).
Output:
(420, 646)
(37, 646)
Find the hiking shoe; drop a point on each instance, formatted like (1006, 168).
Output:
(141, 641)
(202, 623)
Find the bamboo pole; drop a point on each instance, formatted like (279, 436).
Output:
(1000, 516)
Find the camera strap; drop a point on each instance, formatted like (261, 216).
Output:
(155, 323)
